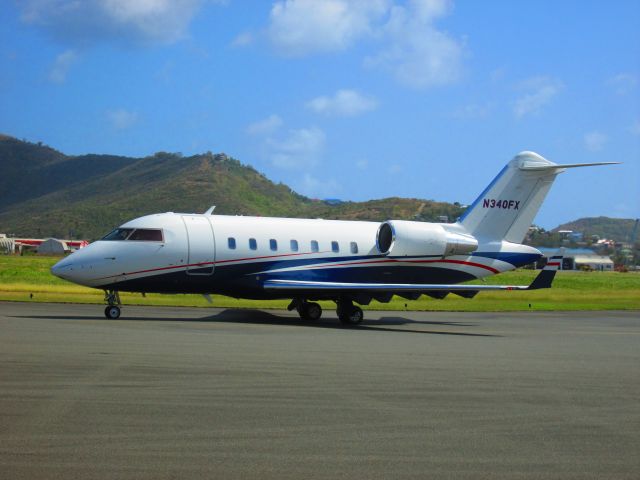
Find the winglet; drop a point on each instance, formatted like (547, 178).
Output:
(548, 273)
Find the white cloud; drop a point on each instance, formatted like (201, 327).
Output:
(300, 149)
(346, 103)
(540, 91)
(472, 111)
(394, 169)
(61, 66)
(266, 126)
(165, 73)
(623, 83)
(594, 141)
(82, 23)
(418, 54)
(624, 210)
(302, 27)
(314, 187)
(242, 40)
(497, 74)
(413, 50)
(122, 119)
(362, 164)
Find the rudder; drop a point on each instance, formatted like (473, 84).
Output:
(507, 207)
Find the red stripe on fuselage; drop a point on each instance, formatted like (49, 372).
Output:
(461, 262)
(324, 265)
(394, 260)
(205, 264)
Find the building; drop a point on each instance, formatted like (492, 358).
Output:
(53, 246)
(7, 245)
(17, 245)
(578, 259)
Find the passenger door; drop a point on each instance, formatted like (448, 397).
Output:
(201, 242)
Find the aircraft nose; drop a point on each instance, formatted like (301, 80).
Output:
(62, 269)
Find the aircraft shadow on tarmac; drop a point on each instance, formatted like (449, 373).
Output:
(261, 317)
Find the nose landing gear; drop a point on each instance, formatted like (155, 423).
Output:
(112, 310)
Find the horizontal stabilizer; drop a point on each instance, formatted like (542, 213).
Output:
(548, 273)
(535, 167)
(505, 210)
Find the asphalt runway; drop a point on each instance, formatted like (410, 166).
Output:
(209, 393)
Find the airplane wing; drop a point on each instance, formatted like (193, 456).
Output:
(543, 280)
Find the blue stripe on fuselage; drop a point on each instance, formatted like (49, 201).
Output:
(244, 282)
(250, 275)
(516, 259)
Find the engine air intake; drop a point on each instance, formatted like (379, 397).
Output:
(402, 238)
(385, 238)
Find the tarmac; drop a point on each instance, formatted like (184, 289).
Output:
(207, 393)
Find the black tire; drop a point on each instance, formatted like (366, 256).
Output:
(350, 315)
(313, 311)
(310, 311)
(112, 312)
(355, 316)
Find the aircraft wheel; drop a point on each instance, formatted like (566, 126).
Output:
(112, 312)
(313, 311)
(350, 315)
(310, 311)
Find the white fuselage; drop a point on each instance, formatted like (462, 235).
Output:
(235, 254)
(305, 259)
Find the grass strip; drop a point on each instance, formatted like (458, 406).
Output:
(27, 279)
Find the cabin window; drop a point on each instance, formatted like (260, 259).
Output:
(335, 247)
(118, 234)
(146, 235)
(314, 246)
(232, 243)
(294, 245)
(253, 245)
(354, 247)
(273, 245)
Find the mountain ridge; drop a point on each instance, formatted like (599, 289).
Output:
(619, 229)
(44, 192)
(86, 195)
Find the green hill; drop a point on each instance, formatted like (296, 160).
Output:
(618, 229)
(46, 193)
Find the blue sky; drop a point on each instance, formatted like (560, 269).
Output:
(354, 99)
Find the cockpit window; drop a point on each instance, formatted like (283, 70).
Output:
(146, 234)
(118, 234)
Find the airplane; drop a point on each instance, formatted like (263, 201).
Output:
(307, 260)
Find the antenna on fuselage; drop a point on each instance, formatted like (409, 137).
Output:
(210, 211)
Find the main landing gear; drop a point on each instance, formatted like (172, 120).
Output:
(112, 310)
(306, 310)
(348, 313)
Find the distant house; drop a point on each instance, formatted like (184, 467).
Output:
(53, 246)
(571, 235)
(7, 245)
(34, 243)
(578, 259)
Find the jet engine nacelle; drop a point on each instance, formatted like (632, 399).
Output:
(408, 239)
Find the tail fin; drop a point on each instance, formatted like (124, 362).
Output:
(507, 207)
